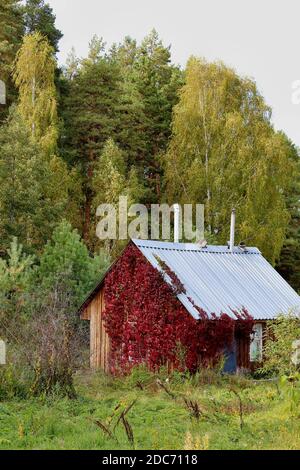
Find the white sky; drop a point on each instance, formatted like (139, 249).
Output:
(259, 38)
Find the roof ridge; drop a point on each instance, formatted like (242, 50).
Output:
(193, 247)
(201, 250)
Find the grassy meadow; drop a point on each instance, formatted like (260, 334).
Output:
(204, 412)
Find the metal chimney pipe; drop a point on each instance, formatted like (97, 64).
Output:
(176, 209)
(232, 230)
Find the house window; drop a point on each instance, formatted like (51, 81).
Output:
(256, 343)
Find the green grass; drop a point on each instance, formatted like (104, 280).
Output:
(158, 420)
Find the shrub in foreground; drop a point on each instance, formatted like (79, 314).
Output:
(280, 335)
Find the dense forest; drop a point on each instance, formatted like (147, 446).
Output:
(126, 120)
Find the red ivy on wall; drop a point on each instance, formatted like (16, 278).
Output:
(146, 322)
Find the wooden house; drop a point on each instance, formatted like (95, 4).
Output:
(217, 279)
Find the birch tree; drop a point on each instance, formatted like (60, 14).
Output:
(34, 76)
(225, 153)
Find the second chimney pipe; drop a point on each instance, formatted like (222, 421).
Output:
(232, 229)
(176, 222)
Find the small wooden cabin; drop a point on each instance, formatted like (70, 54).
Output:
(215, 279)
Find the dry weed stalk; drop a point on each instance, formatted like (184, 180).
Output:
(242, 423)
(121, 419)
(193, 408)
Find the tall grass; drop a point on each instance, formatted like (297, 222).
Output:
(158, 419)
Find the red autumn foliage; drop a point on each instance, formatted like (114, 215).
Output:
(177, 286)
(146, 322)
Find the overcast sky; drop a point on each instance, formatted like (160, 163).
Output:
(259, 38)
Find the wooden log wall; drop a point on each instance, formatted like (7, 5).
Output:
(99, 339)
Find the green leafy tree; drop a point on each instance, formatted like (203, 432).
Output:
(34, 76)
(110, 181)
(137, 192)
(289, 261)
(34, 190)
(225, 153)
(39, 17)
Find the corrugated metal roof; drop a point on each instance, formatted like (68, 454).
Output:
(217, 280)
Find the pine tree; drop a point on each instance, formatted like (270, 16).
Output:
(151, 84)
(125, 94)
(72, 64)
(11, 31)
(39, 17)
(158, 82)
(91, 116)
(15, 278)
(130, 133)
(125, 54)
(66, 260)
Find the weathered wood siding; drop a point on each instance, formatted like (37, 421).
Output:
(99, 340)
(100, 344)
(243, 354)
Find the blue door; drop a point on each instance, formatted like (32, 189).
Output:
(230, 359)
